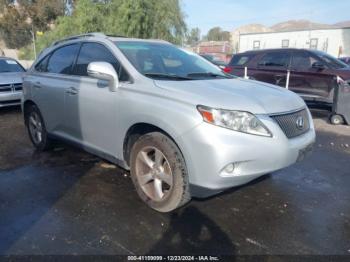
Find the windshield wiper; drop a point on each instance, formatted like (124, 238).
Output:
(209, 74)
(167, 76)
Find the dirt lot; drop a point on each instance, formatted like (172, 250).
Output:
(69, 202)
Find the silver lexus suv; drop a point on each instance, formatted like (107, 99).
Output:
(183, 127)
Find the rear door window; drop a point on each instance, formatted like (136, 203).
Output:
(95, 52)
(62, 59)
(241, 60)
(275, 59)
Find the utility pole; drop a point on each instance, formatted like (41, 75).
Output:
(33, 38)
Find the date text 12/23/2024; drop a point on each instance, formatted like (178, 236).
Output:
(173, 258)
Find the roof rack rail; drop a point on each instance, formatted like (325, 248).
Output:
(122, 36)
(79, 36)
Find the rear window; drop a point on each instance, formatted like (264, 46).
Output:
(240, 60)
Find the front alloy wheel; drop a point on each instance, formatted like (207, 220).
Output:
(154, 173)
(159, 173)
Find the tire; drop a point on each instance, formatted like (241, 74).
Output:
(36, 129)
(159, 173)
(337, 120)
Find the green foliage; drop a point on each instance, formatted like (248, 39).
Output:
(161, 19)
(17, 22)
(42, 12)
(194, 36)
(5, 3)
(13, 29)
(26, 53)
(217, 34)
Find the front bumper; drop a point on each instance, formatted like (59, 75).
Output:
(208, 149)
(10, 98)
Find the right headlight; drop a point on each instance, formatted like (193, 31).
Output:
(240, 121)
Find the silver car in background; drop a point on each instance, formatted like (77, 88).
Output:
(11, 73)
(182, 126)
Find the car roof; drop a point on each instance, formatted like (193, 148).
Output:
(113, 38)
(273, 50)
(126, 39)
(93, 36)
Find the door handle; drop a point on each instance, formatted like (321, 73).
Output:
(72, 91)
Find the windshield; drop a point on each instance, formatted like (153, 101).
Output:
(332, 61)
(9, 66)
(166, 62)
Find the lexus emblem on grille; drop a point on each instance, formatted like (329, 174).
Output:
(300, 122)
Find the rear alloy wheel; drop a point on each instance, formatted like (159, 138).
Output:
(36, 129)
(337, 120)
(158, 172)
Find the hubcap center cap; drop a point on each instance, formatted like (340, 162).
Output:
(156, 172)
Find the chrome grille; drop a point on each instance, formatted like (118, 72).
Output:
(293, 124)
(11, 87)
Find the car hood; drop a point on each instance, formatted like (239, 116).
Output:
(234, 94)
(11, 78)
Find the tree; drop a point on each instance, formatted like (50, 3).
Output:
(21, 17)
(13, 28)
(162, 19)
(194, 36)
(217, 34)
(5, 3)
(41, 13)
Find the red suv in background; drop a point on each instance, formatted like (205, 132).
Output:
(346, 60)
(313, 74)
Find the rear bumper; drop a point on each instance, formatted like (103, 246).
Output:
(213, 148)
(10, 98)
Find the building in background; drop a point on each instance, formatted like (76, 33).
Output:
(221, 50)
(246, 29)
(334, 41)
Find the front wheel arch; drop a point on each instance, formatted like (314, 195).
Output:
(26, 106)
(135, 132)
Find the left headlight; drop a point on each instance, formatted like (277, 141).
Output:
(235, 120)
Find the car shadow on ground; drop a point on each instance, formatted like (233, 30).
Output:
(191, 232)
(25, 199)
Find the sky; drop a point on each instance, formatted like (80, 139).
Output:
(229, 14)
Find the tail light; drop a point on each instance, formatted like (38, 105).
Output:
(227, 69)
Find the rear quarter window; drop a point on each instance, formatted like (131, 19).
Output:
(240, 60)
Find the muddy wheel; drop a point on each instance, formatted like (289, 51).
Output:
(36, 128)
(159, 173)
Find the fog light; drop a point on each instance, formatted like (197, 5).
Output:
(230, 168)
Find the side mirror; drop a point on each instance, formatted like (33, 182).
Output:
(318, 66)
(104, 71)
